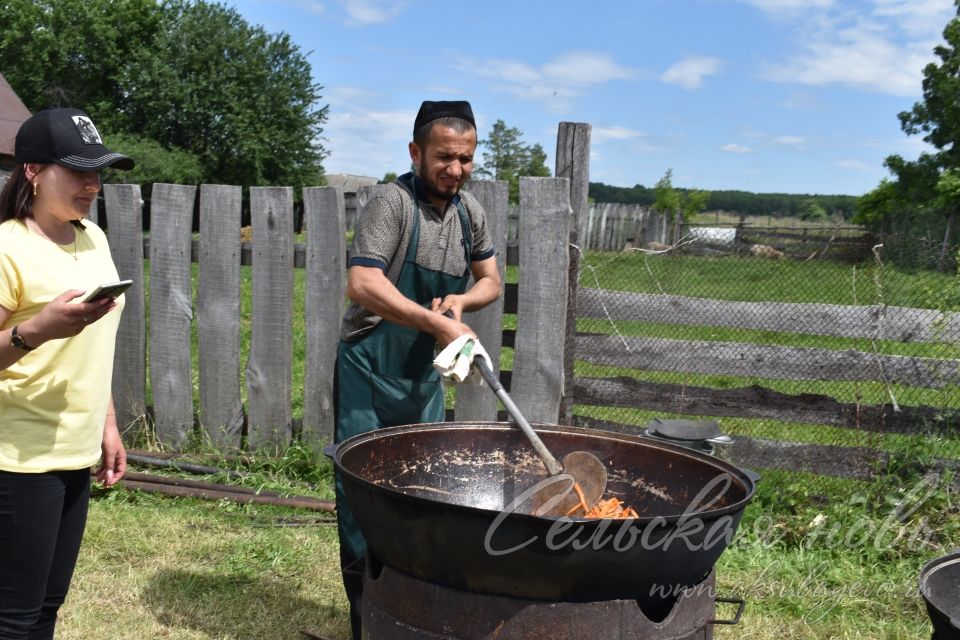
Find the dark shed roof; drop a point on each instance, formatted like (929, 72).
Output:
(12, 114)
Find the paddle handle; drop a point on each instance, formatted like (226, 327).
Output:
(553, 467)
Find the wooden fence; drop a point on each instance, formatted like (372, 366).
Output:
(266, 418)
(545, 345)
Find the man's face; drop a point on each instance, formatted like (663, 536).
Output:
(445, 163)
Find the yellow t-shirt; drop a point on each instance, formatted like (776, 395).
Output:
(53, 401)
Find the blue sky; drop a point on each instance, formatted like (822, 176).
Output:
(796, 96)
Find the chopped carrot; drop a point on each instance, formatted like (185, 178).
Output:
(611, 508)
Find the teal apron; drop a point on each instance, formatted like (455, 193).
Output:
(386, 378)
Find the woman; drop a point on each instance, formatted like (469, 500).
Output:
(56, 360)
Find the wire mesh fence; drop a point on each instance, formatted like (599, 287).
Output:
(811, 363)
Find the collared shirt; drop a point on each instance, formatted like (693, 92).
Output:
(383, 233)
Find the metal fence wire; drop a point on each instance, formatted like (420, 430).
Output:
(809, 363)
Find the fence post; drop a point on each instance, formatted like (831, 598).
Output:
(269, 378)
(325, 217)
(123, 205)
(171, 311)
(473, 402)
(537, 382)
(573, 163)
(218, 314)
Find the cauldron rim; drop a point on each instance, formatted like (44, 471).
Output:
(745, 478)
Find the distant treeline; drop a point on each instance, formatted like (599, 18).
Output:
(744, 202)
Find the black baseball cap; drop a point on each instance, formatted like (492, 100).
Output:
(66, 137)
(433, 110)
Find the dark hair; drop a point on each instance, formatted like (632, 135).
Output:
(459, 125)
(16, 199)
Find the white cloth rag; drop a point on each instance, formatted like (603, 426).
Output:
(454, 362)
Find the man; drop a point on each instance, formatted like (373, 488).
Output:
(416, 244)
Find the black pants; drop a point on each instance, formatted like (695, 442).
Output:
(42, 517)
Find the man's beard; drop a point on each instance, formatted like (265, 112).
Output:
(431, 188)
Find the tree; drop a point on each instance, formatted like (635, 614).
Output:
(154, 162)
(927, 183)
(190, 75)
(388, 177)
(57, 53)
(878, 206)
(678, 204)
(811, 210)
(240, 99)
(506, 157)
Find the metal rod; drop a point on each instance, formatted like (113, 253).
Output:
(300, 502)
(551, 463)
(183, 466)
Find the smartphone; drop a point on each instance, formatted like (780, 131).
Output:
(110, 290)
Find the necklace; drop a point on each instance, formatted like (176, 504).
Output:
(39, 230)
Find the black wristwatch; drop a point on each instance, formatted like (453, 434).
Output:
(17, 341)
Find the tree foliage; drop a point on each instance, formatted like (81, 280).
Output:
(506, 157)
(741, 202)
(155, 163)
(925, 190)
(193, 77)
(57, 53)
(674, 202)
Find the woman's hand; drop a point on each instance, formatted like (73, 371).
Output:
(62, 318)
(113, 463)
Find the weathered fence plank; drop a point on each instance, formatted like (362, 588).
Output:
(538, 354)
(902, 324)
(125, 217)
(171, 312)
(218, 314)
(573, 163)
(759, 402)
(843, 462)
(765, 361)
(324, 217)
(476, 402)
(269, 377)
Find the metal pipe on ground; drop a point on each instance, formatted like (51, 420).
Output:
(241, 495)
(150, 461)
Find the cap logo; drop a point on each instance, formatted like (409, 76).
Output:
(88, 132)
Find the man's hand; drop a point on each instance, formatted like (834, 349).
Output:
(450, 309)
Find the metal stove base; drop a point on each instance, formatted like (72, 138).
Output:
(399, 607)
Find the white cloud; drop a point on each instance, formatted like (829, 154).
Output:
(857, 57)
(917, 17)
(555, 83)
(311, 6)
(366, 12)
(362, 136)
(585, 69)
(733, 147)
(882, 49)
(788, 5)
(600, 134)
(689, 72)
(790, 141)
(856, 165)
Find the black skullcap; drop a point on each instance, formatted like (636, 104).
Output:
(66, 137)
(432, 110)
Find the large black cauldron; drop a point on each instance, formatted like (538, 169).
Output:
(437, 501)
(940, 588)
